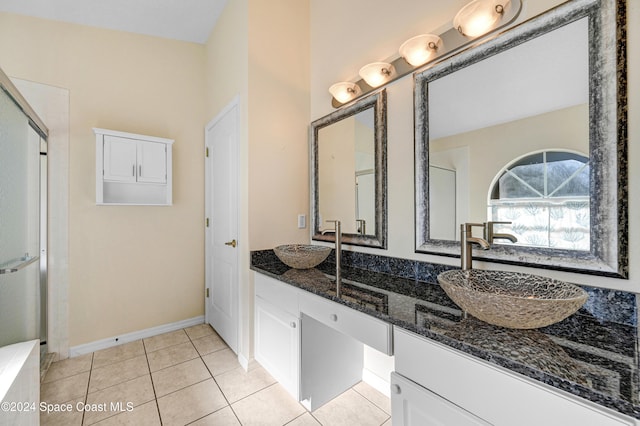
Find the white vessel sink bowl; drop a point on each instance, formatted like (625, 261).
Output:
(301, 256)
(512, 299)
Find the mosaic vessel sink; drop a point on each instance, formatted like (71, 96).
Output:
(512, 299)
(301, 256)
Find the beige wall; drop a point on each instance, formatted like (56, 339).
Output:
(259, 51)
(492, 148)
(226, 78)
(363, 31)
(131, 268)
(278, 121)
(336, 183)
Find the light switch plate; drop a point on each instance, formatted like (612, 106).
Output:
(302, 221)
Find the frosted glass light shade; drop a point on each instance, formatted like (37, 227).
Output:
(377, 73)
(479, 17)
(420, 49)
(344, 91)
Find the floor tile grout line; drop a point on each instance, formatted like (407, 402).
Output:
(220, 389)
(120, 360)
(183, 388)
(192, 384)
(115, 384)
(175, 365)
(155, 395)
(116, 362)
(235, 415)
(375, 405)
(251, 394)
(164, 347)
(201, 357)
(86, 394)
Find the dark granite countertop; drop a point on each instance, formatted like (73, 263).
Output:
(584, 355)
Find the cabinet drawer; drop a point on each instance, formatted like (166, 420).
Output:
(491, 392)
(279, 294)
(368, 330)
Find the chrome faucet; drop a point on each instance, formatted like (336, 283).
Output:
(490, 235)
(338, 252)
(466, 244)
(361, 226)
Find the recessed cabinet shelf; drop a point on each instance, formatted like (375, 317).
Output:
(132, 169)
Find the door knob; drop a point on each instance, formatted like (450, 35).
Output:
(231, 243)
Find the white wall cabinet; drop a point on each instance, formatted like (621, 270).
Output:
(133, 169)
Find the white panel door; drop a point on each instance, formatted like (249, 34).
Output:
(222, 232)
(152, 162)
(119, 159)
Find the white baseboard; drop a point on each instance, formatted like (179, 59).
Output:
(376, 382)
(133, 336)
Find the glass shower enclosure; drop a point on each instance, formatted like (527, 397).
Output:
(23, 220)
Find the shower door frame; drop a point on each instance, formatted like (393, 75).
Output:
(41, 129)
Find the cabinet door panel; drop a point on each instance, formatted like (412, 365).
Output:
(119, 159)
(277, 344)
(413, 405)
(152, 162)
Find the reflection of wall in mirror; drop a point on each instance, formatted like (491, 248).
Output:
(492, 148)
(365, 201)
(442, 204)
(365, 172)
(341, 151)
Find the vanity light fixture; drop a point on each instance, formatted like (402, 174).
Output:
(377, 73)
(420, 49)
(344, 91)
(479, 17)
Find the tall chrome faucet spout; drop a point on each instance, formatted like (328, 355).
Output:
(338, 250)
(466, 244)
(490, 235)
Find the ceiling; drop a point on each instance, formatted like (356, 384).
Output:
(185, 20)
(548, 73)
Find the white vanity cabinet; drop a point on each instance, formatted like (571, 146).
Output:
(133, 169)
(411, 404)
(277, 332)
(479, 391)
(312, 346)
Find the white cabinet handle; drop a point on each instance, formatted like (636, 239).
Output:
(333, 317)
(396, 389)
(140, 170)
(293, 324)
(133, 170)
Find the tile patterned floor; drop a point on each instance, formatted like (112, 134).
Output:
(188, 377)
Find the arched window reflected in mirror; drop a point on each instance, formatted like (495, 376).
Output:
(545, 196)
